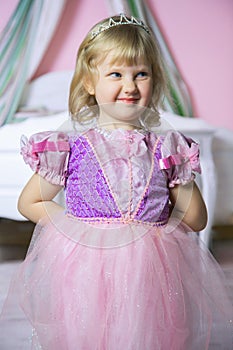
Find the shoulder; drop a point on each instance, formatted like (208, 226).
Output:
(176, 144)
(47, 154)
(46, 140)
(179, 157)
(176, 138)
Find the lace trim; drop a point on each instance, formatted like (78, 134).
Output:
(103, 220)
(109, 133)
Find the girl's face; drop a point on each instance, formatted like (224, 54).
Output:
(123, 88)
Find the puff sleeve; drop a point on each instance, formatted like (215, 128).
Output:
(47, 154)
(179, 158)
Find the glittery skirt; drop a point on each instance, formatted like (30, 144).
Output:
(133, 286)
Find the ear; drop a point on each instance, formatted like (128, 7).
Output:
(89, 86)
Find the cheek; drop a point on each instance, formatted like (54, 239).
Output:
(146, 86)
(148, 90)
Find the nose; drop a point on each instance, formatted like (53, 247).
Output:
(129, 86)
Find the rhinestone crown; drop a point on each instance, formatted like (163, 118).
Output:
(123, 20)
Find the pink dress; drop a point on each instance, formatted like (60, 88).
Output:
(114, 271)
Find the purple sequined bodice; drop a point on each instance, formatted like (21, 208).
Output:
(116, 177)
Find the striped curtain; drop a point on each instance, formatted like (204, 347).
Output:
(23, 43)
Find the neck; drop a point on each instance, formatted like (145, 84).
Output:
(118, 125)
(110, 123)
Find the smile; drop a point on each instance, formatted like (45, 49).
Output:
(128, 100)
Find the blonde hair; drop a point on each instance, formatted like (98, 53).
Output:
(131, 43)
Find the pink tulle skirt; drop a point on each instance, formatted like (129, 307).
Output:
(84, 287)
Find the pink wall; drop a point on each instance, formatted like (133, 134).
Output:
(199, 34)
(200, 37)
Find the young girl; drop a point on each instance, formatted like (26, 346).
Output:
(119, 268)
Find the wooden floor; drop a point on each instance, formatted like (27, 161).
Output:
(14, 240)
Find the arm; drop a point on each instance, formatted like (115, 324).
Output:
(36, 200)
(188, 205)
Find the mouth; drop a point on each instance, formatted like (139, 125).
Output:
(128, 100)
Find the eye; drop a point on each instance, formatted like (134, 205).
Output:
(142, 75)
(115, 75)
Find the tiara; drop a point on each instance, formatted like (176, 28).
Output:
(123, 20)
